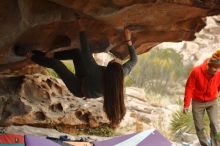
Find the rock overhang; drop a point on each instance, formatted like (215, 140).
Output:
(38, 23)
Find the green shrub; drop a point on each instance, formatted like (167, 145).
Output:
(181, 123)
(51, 72)
(104, 131)
(68, 64)
(158, 71)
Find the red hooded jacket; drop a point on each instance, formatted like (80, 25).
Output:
(199, 87)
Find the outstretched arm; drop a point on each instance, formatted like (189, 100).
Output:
(86, 51)
(127, 67)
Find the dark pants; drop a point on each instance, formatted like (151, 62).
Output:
(198, 110)
(72, 81)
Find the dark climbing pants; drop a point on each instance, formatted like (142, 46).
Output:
(72, 81)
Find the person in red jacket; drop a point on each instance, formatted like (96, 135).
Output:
(202, 88)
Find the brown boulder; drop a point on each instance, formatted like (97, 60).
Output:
(43, 101)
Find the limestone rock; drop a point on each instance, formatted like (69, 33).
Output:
(42, 101)
(45, 102)
(141, 115)
(189, 138)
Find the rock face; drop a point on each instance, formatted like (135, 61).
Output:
(37, 24)
(45, 102)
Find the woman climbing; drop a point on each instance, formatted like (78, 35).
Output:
(90, 79)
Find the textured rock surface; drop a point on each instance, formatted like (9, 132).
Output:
(42, 101)
(38, 23)
(45, 102)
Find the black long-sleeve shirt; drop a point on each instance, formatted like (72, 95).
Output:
(93, 82)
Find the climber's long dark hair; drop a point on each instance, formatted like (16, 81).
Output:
(114, 105)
